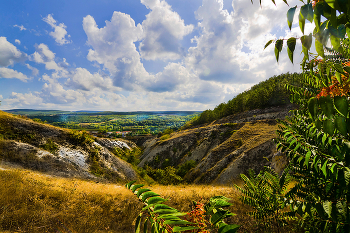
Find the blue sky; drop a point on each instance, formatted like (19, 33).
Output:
(137, 55)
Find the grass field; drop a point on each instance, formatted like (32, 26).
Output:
(35, 202)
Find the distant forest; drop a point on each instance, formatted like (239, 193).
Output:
(271, 92)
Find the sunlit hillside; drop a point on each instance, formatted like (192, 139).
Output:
(35, 202)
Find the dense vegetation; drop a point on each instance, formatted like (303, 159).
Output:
(269, 93)
(137, 122)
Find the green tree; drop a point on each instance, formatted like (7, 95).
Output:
(316, 138)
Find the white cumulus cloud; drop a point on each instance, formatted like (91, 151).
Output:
(43, 55)
(114, 48)
(82, 79)
(10, 73)
(9, 54)
(163, 30)
(60, 33)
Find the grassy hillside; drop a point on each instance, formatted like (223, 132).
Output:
(34, 202)
(63, 152)
(269, 93)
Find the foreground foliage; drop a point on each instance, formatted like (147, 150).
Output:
(266, 193)
(163, 218)
(316, 138)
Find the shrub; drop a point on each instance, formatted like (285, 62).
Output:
(266, 193)
(185, 167)
(50, 146)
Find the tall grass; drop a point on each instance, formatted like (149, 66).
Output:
(35, 202)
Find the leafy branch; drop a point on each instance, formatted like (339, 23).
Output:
(163, 218)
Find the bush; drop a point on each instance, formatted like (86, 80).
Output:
(185, 167)
(50, 146)
(266, 193)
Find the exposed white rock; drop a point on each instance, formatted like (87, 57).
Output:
(42, 153)
(109, 143)
(74, 156)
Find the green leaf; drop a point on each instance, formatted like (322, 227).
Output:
(301, 22)
(307, 158)
(128, 185)
(165, 211)
(324, 169)
(184, 228)
(318, 124)
(290, 16)
(340, 125)
(338, 76)
(320, 211)
(326, 105)
(336, 44)
(322, 37)
(306, 41)
(317, 17)
(313, 106)
(138, 224)
(177, 214)
(291, 47)
(176, 222)
(268, 43)
(334, 31)
(147, 195)
(134, 187)
(327, 206)
(341, 30)
(229, 228)
(155, 200)
(304, 11)
(139, 192)
(347, 175)
(339, 68)
(218, 216)
(332, 3)
(278, 48)
(319, 48)
(145, 226)
(310, 13)
(341, 105)
(162, 206)
(328, 126)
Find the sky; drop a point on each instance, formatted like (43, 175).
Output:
(138, 55)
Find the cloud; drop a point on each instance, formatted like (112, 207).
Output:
(114, 48)
(10, 73)
(173, 75)
(163, 30)
(60, 32)
(17, 41)
(9, 54)
(230, 46)
(55, 93)
(23, 100)
(34, 70)
(82, 79)
(21, 27)
(43, 55)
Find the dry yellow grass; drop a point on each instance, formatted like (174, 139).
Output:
(35, 202)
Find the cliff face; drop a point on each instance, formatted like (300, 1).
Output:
(223, 149)
(61, 152)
